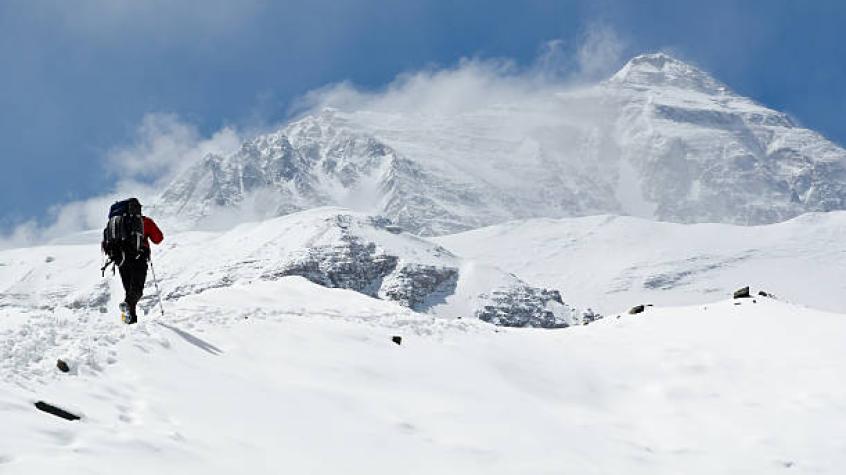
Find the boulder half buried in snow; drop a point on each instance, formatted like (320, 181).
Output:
(63, 367)
(637, 309)
(742, 293)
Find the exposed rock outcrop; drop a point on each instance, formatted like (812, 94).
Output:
(524, 306)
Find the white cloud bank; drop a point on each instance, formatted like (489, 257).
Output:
(162, 146)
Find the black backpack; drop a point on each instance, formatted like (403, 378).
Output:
(123, 236)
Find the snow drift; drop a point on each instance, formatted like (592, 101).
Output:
(288, 375)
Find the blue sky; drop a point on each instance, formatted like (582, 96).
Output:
(78, 78)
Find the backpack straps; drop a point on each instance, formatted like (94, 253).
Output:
(113, 263)
(106, 265)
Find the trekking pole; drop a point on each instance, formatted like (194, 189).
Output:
(156, 282)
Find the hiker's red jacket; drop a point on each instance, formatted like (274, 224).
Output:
(151, 232)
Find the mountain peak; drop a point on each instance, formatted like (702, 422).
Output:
(662, 70)
(658, 60)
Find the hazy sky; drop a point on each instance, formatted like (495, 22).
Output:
(79, 80)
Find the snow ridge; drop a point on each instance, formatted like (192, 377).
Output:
(663, 70)
(332, 247)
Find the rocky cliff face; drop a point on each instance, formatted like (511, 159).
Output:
(521, 306)
(351, 262)
(660, 139)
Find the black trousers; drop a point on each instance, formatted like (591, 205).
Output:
(133, 274)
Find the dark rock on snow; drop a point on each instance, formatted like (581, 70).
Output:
(56, 411)
(413, 284)
(63, 367)
(522, 306)
(742, 293)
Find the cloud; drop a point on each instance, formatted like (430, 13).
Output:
(163, 145)
(600, 52)
(554, 59)
(73, 217)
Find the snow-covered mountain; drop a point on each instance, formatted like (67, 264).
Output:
(660, 139)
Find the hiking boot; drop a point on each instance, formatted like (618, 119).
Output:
(124, 312)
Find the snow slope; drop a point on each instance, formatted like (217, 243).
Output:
(288, 376)
(616, 262)
(661, 139)
(331, 246)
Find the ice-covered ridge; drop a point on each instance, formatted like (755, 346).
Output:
(659, 70)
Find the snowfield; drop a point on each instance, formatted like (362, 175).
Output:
(253, 370)
(611, 263)
(290, 376)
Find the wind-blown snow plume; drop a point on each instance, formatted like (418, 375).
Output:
(600, 52)
(475, 83)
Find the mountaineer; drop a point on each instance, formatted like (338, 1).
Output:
(126, 243)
